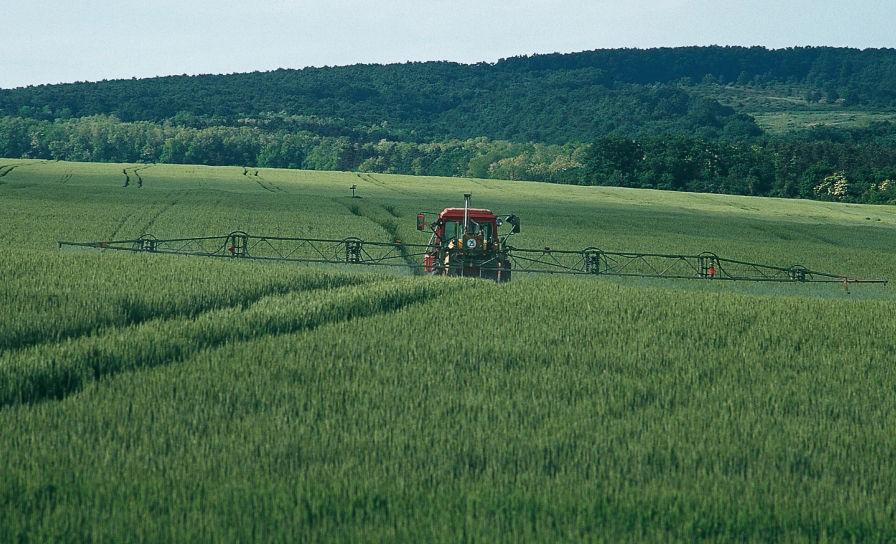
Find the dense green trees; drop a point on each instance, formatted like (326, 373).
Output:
(553, 98)
(858, 170)
(806, 165)
(412, 102)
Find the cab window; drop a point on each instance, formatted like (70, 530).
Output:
(455, 230)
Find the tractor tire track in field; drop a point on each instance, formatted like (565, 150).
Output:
(134, 313)
(275, 186)
(483, 185)
(120, 225)
(39, 376)
(135, 170)
(155, 216)
(255, 177)
(138, 213)
(263, 186)
(370, 179)
(266, 185)
(5, 169)
(391, 228)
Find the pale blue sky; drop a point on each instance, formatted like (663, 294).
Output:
(49, 41)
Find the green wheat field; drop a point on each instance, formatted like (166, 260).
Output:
(174, 398)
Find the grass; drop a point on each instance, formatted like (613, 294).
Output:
(788, 121)
(782, 109)
(754, 99)
(174, 398)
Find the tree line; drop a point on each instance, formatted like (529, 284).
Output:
(856, 165)
(855, 168)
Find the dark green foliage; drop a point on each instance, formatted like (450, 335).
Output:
(541, 99)
(549, 98)
(787, 167)
(613, 160)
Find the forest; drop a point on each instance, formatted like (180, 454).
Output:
(659, 118)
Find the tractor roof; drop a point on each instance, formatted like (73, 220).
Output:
(476, 214)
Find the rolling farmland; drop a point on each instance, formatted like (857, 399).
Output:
(176, 398)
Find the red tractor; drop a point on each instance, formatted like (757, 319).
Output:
(465, 242)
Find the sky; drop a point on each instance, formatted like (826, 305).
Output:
(53, 41)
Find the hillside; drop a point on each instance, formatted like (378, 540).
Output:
(413, 102)
(714, 119)
(554, 98)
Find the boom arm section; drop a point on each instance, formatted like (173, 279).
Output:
(589, 261)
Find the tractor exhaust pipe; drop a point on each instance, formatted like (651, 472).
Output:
(467, 197)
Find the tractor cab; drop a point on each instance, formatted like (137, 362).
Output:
(465, 242)
(479, 234)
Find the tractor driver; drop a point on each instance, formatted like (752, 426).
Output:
(474, 232)
(481, 232)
